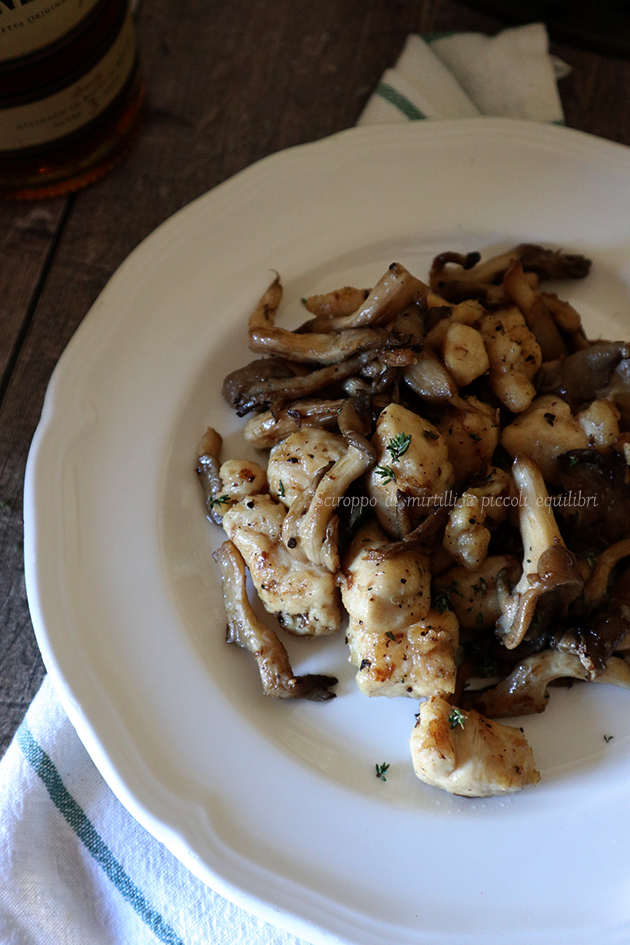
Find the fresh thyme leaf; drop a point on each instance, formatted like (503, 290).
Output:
(608, 738)
(456, 718)
(430, 435)
(591, 557)
(442, 601)
(474, 436)
(380, 771)
(281, 488)
(479, 619)
(399, 445)
(390, 636)
(480, 588)
(485, 665)
(219, 501)
(573, 460)
(386, 473)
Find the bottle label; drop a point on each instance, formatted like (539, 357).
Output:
(29, 25)
(53, 117)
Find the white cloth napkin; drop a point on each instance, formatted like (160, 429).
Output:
(75, 867)
(464, 75)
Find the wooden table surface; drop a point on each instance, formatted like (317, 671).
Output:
(228, 83)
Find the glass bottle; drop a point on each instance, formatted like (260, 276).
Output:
(71, 93)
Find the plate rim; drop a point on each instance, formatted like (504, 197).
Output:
(87, 335)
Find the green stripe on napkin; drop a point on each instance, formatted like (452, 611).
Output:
(400, 101)
(84, 829)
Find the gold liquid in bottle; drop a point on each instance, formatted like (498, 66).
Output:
(71, 93)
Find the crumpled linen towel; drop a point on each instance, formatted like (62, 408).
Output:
(465, 75)
(75, 867)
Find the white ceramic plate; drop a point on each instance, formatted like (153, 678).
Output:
(277, 805)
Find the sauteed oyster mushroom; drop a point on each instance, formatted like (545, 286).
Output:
(428, 444)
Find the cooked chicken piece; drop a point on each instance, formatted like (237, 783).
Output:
(303, 596)
(295, 460)
(465, 313)
(384, 594)
(464, 753)
(472, 435)
(400, 646)
(464, 354)
(244, 629)
(310, 472)
(544, 431)
(226, 483)
(548, 428)
(241, 478)
(514, 356)
(600, 422)
(467, 533)
(416, 661)
(472, 595)
(412, 458)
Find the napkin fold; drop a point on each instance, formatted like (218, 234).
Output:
(75, 867)
(465, 75)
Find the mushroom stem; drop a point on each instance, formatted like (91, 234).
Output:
(315, 348)
(208, 467)
(394, 291)
(244, 629)
(358, 458)
(597, 584)
(537, 315)
(524, 691)
(548, 566)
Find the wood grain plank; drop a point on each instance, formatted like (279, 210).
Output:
(27, 239)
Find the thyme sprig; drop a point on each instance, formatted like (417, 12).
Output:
(457, 717)
(442, 601)
(399, 445)
(386, 473)
(218, 502)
